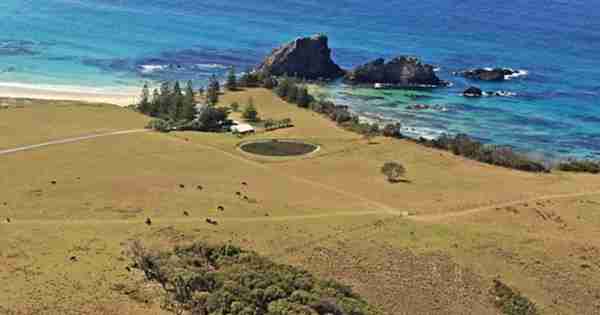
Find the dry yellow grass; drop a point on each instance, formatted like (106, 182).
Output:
(24, 121)
(332, 213)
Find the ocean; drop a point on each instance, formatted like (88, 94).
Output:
(118, 44)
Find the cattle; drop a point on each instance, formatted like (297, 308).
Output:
(148, 221)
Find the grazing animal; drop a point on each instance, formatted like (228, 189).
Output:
(53, 182)
(245, 197)
(128, 269)
(185, 213)
(148, 222)
(73, 258)
(5, 203)
(238, 193)
(199, 187)
(7, 220)
(244, 184)
(221, 208)
(181, 186)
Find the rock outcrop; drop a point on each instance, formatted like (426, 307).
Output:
(308, 58)
(473, 91)
(488, 74)
(400, 71)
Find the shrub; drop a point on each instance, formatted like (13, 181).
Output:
(580, 166)
(393, 171)
(224, 279)
(235, 106)
(250, 113)
(511, 302)
(160, 125)
(503, 156)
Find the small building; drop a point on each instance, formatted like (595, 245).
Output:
(242, 128)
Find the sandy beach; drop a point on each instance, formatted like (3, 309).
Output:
(118, 96)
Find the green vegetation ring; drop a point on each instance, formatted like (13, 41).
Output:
(278, 147)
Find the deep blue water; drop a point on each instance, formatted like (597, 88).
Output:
(118, 43)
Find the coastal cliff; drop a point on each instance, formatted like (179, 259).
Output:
(408, 71)
(306, 57)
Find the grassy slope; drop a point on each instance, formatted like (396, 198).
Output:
(24, 122)
(331, 213)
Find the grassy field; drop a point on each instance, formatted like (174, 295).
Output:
(24, 121)
(332, 213)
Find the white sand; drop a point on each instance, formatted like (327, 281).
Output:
(117, 96)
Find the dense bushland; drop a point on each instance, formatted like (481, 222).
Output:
(208, 280)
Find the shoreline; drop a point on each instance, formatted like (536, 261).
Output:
(121, 96)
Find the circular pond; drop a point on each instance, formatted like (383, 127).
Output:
(276, 147)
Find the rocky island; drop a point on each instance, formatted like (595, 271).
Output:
(310, 58)
(307, 58)
(401, 71)
(489, 74)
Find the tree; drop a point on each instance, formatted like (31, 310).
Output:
(189, 103)
(292, 93)
(303, 99)
(155, 105)
(282, 88)
(144, 105)
(250, 113)
(235, 106)
(165, 99)
(231, 84)
(176, 103)
(269, 83)
(212, 118)
(394, 171)
(212, 92)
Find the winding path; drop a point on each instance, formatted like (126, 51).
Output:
(69, 140)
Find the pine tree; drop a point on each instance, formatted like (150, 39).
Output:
(155, 105)
(189, 103)
(231, 83)
(165, 99)
(212, 92)
(144, 104)
(303, 99)
(176, 103)
(292, 93)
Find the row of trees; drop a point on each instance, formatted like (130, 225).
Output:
(169, 102)
(291, 90)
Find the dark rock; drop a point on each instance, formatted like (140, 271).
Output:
(307, 57)
(473, 91)
(496, 74)
(403, 71)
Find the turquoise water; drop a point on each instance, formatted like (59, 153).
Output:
(121, 43)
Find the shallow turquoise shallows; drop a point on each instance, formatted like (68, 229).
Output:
(119, 43)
